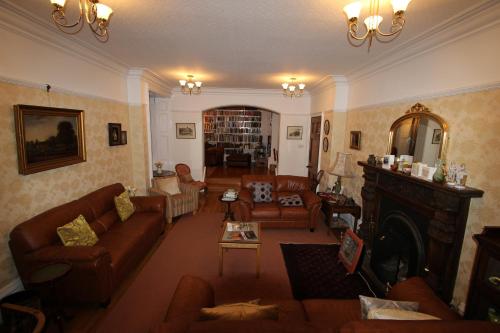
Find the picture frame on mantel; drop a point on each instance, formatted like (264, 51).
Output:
(115, 134)
(48, 138)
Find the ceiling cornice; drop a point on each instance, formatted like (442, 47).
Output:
(236, 91)
(473, 20)
(157, 84)
(19, 21)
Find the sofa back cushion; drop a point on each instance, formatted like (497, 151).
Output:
(248, 180)
(40, 231)
(291, 183)
(102, 200)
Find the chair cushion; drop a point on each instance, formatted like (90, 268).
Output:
(124, 206)
(266, 210)
(77, 233)
(168, 184)
(291, 213)
(261, 191)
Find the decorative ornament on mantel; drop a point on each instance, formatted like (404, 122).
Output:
(372, 22)
(96, 14)
(290, 88)
(190, 87)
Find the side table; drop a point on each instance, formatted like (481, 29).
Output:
(330, 207)
(229, 215)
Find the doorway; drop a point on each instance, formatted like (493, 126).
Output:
(314, 143)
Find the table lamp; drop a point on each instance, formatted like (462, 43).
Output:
(341, 168)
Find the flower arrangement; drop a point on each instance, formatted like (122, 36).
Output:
(158, 165)
(131, 190)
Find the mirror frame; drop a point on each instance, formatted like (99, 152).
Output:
(420, 111)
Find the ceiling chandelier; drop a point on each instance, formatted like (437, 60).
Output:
(96, 14)
(373, 21)
(290, 88)
(188, 86)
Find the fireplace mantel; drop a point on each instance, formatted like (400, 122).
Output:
(445, 207)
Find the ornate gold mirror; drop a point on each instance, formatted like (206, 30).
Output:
(419, 133)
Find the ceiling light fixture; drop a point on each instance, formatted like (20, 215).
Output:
(290, 88)
(96, 14)
(372, 22)
(190, 87)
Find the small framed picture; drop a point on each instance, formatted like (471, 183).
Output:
(325, 144)
(185, 130)
(436, 136)
(350, 251)
(326, 127)
(124, 138)
(294, 132)
(355, 140)
(115, 134)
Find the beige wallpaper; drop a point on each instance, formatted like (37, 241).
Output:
(22, 197)
(474, 122)
(336, 143)
(139, 144)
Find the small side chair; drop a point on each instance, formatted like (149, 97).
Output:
(184, 173)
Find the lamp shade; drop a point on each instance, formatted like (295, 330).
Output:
(342, 166)
(399, 5)
(103, 12)
(352, 10)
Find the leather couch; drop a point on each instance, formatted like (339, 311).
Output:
(272, 214)
(96, 270)
(315, 315)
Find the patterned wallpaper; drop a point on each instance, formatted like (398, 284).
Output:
(474, 122)
(22, 197)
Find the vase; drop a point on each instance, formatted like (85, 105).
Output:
(439, 176)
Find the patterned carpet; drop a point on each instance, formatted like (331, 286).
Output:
(315, 272)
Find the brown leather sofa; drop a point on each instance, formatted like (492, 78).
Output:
(272, 214)
(315, 315)
(96, 270)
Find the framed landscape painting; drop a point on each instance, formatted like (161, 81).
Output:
(185, 130)
(48, 138)
(294, 132)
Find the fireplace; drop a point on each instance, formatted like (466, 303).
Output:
(412, 227)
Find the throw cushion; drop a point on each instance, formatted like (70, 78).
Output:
(169, 185)
(77, 233)
(240, 311)
(262, 192)
(124, 206)
(398, 314)
(291, 201)
(369, 303)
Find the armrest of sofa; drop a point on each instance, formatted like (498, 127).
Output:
(155, 203)
(418, 326)
(73, 254)
(246, 197)
(310, 199)
(190, 296)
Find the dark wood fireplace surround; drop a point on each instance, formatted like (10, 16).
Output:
(445, 207)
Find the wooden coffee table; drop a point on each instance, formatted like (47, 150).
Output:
(231, 238)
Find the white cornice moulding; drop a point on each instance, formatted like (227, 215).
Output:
(157, 84)
(419, 98)
(326, 82)
(234, 91)
(19, 21)
(473, 20)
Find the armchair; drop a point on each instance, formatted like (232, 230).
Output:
(177, 203)
(184, 173)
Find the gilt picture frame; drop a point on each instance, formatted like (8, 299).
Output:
(48, 138)
(185, 130)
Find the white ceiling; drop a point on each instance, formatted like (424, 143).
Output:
(246, 43)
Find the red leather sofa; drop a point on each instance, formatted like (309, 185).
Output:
(96, 270)
(315, 315)
(272, 214)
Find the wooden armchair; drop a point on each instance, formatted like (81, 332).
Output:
(183, 202)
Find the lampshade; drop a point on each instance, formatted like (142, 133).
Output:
(182, 82)
(372, 22)
(352, 10)
(399, 5)
(59, 3)
(103, 12)
(302, 86)
(284, 85)
(342, 166)
(198, 84)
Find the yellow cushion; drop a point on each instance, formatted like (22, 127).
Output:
(398, 314)
(77, 233)
(240, 311)
(169, 185)
(124, 206)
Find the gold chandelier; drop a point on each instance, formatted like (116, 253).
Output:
(96, 14)
(190, 87)
(290, 88)
(373, 21)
